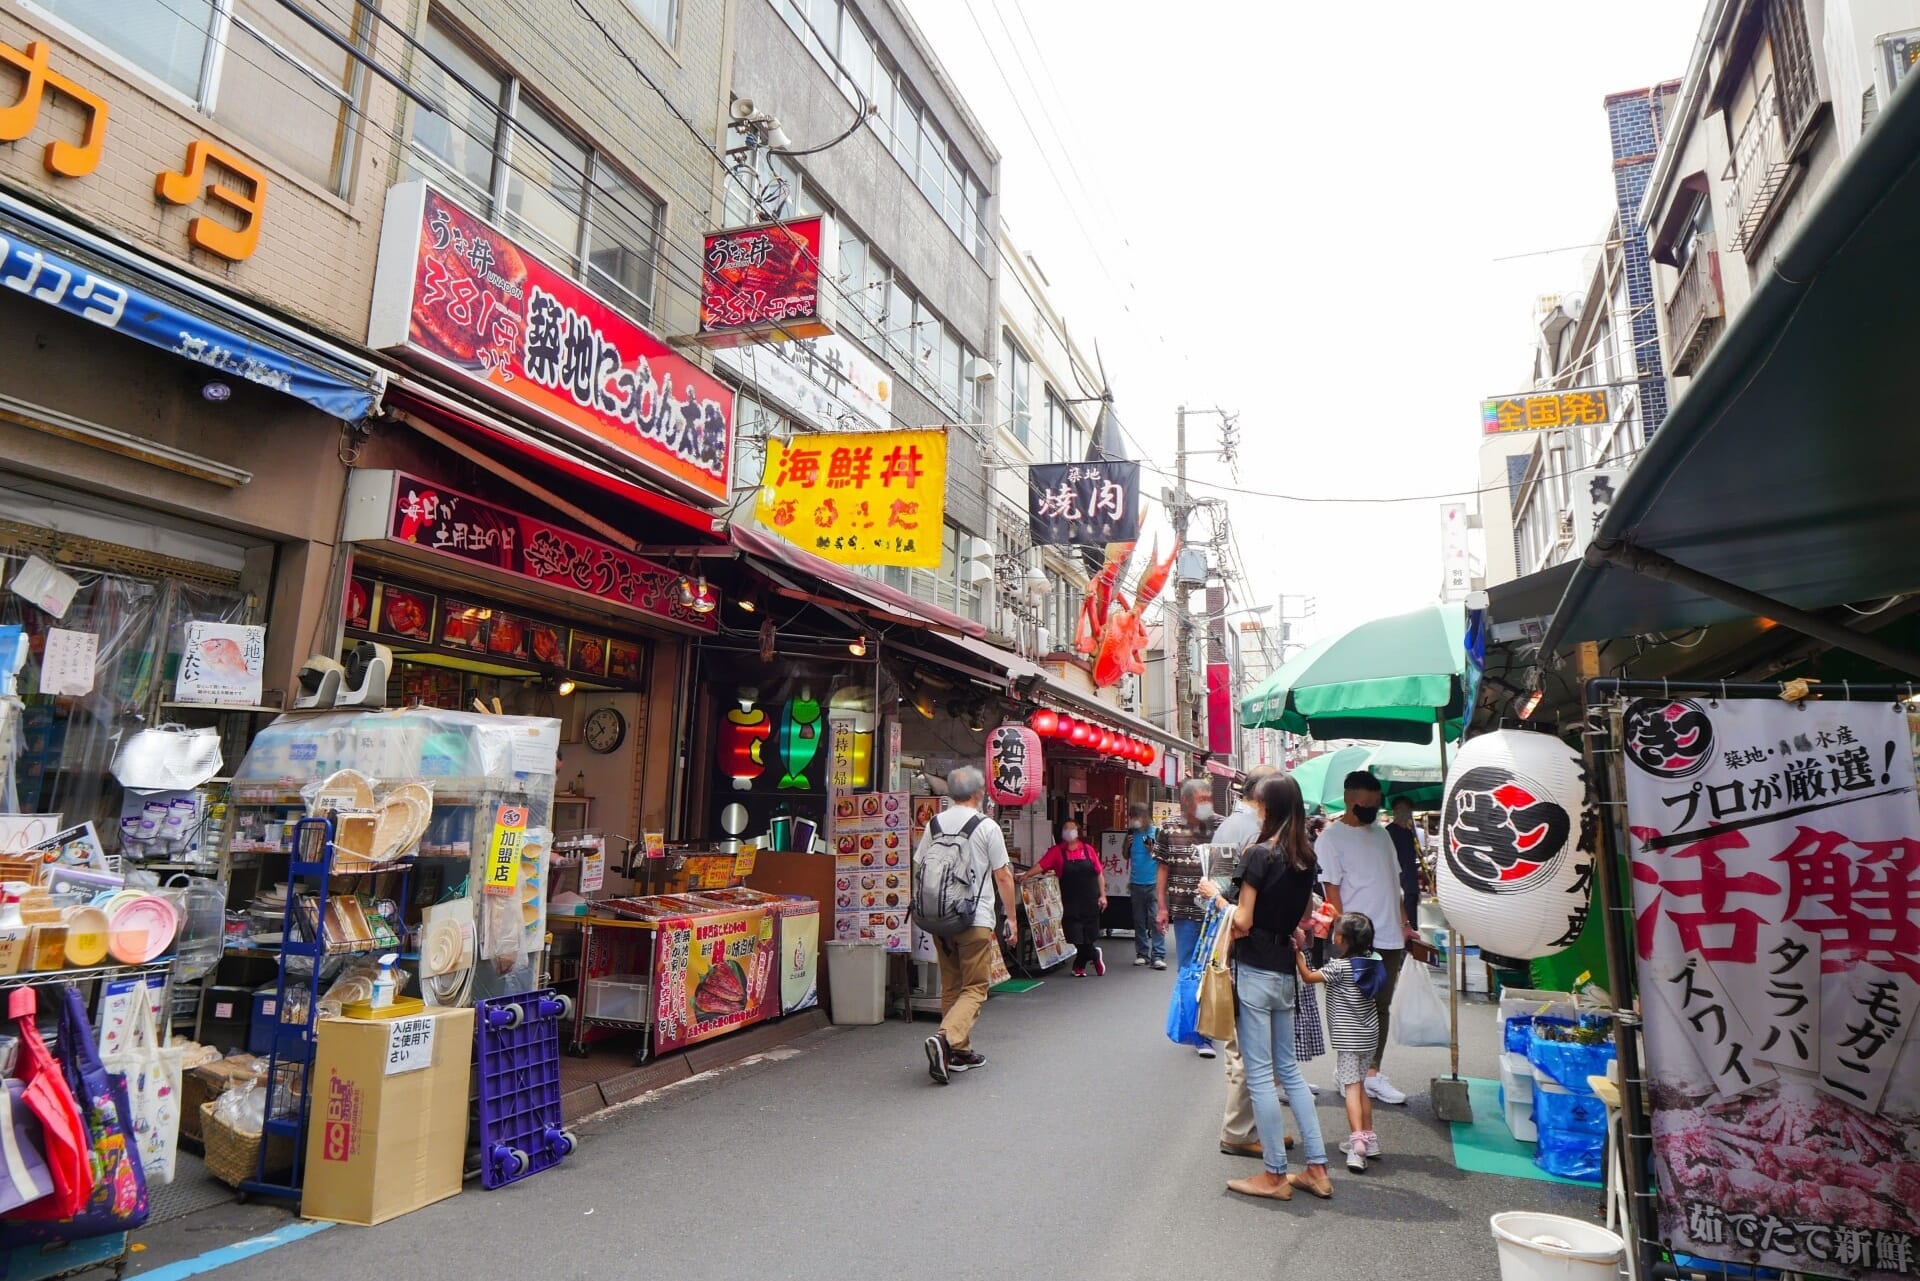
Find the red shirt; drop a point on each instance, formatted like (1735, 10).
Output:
(1055, 859)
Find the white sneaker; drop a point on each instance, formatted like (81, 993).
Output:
(1370, 1148)
(1139, 960)
(1382, 1089)
(1313, 1089)
(1356, 1162)
(1206, 1051)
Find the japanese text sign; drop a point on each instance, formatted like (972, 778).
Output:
(1776, 898)
(221, 663)
(503, 850)
(442, 520)
(764, 281)
(1092, 503)
(455, 292)
(713, 974)
(409, 1045)
(1537, 411)
(859, 498)
(1015, 766)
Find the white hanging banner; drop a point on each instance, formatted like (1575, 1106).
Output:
(1776, 899)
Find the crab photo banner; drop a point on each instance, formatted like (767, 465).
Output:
(1776, 899)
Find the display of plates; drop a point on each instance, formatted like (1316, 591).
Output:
(148, 915)
(87, 931)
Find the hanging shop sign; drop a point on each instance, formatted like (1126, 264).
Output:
(1223, 708)
(1456, 571)
(44, 258)
(1092, 503)
(1537, 411)
(1510, 875)
(824, 382)
(712, 974)
(206, 161)
(221, 663)
(859, 498)
(459, 527)
(1776, 900)
(1014, 765)
(767, 282)
(1592, 499)
(454, 292)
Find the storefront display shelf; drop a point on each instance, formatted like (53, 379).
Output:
(37, 977)
(247, 709)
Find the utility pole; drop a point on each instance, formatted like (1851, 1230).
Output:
(1183, 629)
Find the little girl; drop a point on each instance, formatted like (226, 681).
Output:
(1352, 982)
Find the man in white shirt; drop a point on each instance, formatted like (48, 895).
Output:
(966, 960)
(1361, 872)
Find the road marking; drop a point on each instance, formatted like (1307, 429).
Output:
(226, 1254)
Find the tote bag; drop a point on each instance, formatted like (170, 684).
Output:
(118, 1199)
(1183, 1008)
(152, 1075)
(24, 1177)
(46, 1095)
(1215, 1019)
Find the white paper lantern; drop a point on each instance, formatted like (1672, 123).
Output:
(1510, 877)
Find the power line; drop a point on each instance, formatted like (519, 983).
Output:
(1404, 498)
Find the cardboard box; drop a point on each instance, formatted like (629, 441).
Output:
(388, 1129)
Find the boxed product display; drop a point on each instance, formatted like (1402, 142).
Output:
(388, 1129)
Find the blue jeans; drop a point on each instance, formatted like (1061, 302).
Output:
(1148, 942)
(1267, 1002)
(1186, 941)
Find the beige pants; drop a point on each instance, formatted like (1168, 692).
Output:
(1237, 1127)
(966, 969)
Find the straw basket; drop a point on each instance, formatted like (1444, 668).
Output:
(233, 1156)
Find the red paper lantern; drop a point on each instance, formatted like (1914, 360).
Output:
(1081, 734)
(1133, 750)
(1014, 766)
(1064, 729)
(1044, 722)
(1147, 753)
(1106, 742)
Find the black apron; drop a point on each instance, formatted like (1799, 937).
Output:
(1080, 890)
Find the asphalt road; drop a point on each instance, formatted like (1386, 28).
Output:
(1086, 1148)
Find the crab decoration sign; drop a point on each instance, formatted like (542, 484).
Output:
(1111, 631)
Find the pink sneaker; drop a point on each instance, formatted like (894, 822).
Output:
(1099, 962)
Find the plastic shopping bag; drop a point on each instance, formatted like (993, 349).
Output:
(1183, 1008)
(1419, 1015)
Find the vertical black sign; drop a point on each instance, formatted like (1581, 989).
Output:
(1090, 503)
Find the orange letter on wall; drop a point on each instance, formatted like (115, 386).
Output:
(18, 119)
(233, 244)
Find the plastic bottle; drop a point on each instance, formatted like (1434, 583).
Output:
(383, 982)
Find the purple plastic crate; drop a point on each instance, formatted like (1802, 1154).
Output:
(518, 1040)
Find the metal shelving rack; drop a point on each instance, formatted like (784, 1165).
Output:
(310, 868)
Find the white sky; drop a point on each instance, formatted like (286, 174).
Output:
(1292, 211)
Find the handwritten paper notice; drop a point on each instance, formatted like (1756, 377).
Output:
(66, 666)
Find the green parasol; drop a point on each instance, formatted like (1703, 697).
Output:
(1322, 778)
(1389, 679)
(1412, 770)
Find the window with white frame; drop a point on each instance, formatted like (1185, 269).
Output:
(253, 65)
(500, 152)
(1015, 373)
(1065, 441)
(662, 15)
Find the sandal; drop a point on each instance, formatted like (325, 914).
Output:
(1318, 1184)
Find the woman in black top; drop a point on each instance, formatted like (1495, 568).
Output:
(1276, 885)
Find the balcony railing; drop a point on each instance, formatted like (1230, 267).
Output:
(1694, 312)
(1758, 168)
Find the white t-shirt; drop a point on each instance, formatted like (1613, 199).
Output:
(988, 843)
(1360, 862)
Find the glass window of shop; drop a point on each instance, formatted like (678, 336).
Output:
(271, 77)
(507, 156)
(57, 753)
(1016, 374)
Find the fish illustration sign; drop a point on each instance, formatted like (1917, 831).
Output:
(1776, 902)
(221, 664)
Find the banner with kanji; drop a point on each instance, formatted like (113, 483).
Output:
(1090, 504)
(859, 498)
(1776, 898)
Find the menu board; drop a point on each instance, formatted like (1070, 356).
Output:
(1041, 897)
(873, 867)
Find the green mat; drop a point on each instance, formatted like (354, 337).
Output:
(1486, 1146)
(1014, 987)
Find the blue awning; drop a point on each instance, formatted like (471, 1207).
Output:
(48, 259)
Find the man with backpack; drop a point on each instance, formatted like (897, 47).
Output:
(960, 866)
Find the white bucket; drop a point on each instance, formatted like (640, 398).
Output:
(1552, 1247)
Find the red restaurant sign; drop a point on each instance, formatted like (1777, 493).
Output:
(765, 281)
(453, 292)
(457, 525)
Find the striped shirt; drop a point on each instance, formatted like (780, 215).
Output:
(1352, 1018)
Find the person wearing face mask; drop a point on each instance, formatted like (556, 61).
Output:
(1176, 850)
(1149, 941)
(1083, 895)
(1361, 872)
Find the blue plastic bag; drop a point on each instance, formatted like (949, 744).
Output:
(1566, 1063)
(1569, 1113)
(1571, 1154)
(1183, 1008)
(1519, 1033)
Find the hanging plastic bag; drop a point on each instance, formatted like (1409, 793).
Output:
(47, 1095)
(168, 758)
(152, 1073)
(118, 1198)
(1419, 1015)
(1183, 1008)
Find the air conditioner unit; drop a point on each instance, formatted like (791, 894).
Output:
(977, 370)
(979, 549)
(977, 572)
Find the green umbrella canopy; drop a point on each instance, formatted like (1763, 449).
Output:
(1411, 770)
(1387, 679)
(1322, 778)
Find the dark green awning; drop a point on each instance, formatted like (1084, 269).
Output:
(1788, 466)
